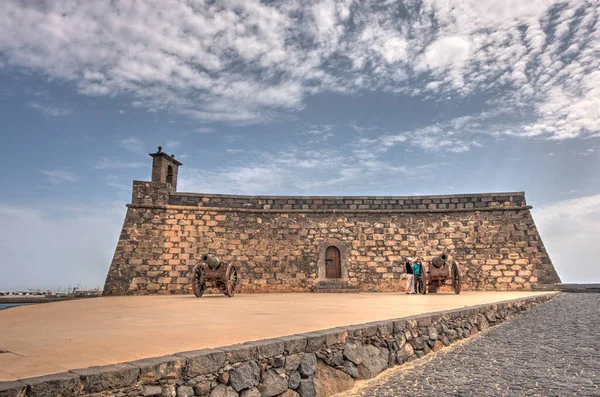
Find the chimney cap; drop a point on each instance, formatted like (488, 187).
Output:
(170, 158)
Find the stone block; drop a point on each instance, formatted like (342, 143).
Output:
(292, 362)
(254, 392)
(154, 369)
(370, 329)
(273, 383)
(96, 379)
(185, 391)
(245, 376)
(12, 389)
(308, 364)
(306, 388)
(62, 384)
(294, 344)
(374, 360)
(203, 362)
(329, 381)
(385, 328)
(202, 389)
(404, 353)
(223, 391)
(432, 332)
(240, 352)
(269, 348)
(350, 369)
(152, 390)
(399, 325)
(424, 320)
(315, 340)
(335, 336)
(352, 351)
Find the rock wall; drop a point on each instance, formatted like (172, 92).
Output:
(279, 243)
(315, 364)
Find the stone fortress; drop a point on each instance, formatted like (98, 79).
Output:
(302, 244)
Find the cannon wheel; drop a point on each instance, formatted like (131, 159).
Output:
(456, 284)
(198, 284)
(433, 286)
(231, 281)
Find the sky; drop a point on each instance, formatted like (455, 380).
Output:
(292, 97)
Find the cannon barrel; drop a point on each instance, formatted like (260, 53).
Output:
(439, 260)
(212, 261)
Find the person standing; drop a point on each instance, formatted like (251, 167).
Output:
(417, 268)
(410, 278)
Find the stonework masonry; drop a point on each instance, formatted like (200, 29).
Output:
(278, 242)
(313, 364)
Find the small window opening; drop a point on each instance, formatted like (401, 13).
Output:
(170, 175)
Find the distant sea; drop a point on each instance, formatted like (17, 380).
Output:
(9, 305)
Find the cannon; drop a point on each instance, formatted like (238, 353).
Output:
(212, 273)
(439, 272)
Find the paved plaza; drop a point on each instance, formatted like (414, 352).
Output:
(552, 351)
(54, 337)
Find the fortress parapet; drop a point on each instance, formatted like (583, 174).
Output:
(294, 243)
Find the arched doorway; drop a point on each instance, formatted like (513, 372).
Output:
(333, 263)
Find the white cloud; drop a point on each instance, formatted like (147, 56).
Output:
(112, 164)
(205, 130)
(58, 176)
(318, 133)
(445, 52)
(247, 61)
(131, 144)
(49, 109)
(570, 230)
(457, 135)
(74, 246)
(330, 171)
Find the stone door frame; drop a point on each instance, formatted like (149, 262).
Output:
(322, 250)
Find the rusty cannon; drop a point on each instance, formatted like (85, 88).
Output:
(212, 273)
(441, 271)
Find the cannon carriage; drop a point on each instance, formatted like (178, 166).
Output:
(212, 273)
(440, 271)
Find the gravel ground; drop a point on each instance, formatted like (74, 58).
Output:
(552, 351)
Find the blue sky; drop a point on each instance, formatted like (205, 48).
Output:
(298, 98)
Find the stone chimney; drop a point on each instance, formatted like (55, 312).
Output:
(165, 168)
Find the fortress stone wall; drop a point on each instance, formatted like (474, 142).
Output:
(279, 243)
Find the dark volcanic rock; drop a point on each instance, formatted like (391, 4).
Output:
(117, 376)
(306, 388)
(245, 376)
(57, 385)
(294, 380)
(329, 381)
(308, 364)
(203, 362)
(273, 383)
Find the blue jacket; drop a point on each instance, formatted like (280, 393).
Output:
(417, 269)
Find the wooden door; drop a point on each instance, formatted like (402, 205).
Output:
(333, 263)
